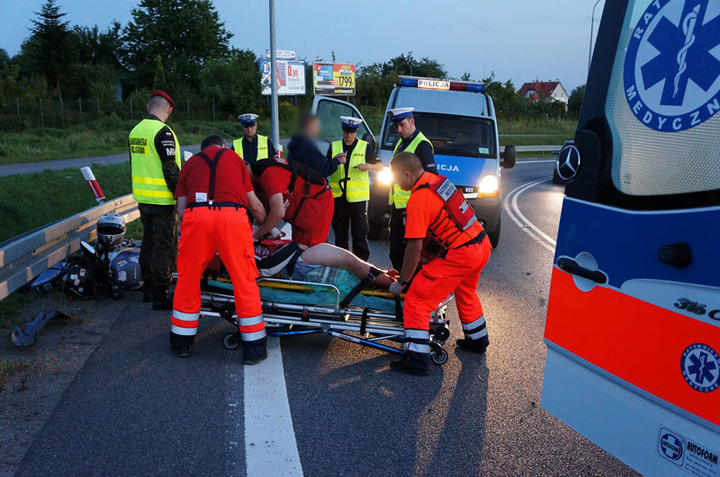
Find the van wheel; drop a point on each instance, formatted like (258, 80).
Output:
(374, 231)
(494, 235)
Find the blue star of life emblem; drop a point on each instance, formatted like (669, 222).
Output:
(672, 64)
(700, 365)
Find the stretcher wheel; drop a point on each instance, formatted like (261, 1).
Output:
(442, 334)
(231, 341)
(439, 357)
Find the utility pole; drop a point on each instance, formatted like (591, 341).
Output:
(273, 80)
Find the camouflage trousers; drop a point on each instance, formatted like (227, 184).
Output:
(158, 253)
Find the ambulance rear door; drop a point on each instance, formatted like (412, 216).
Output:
(633, 323)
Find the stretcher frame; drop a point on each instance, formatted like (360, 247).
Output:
(370, 328)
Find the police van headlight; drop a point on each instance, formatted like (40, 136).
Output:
(489, 186)
(384, 177)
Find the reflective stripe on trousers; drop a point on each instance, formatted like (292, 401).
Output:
(476, 329)
(184, 324)
(417, 341)
(252, 328)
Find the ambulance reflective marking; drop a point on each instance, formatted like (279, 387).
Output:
(579, 321)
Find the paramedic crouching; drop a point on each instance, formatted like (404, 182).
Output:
(213, 194)
(441, 229)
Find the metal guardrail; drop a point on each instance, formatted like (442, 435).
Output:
(28, 255)
(541, 149)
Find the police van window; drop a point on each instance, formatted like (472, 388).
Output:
(663, 96)
(329, 113)
(452, 135)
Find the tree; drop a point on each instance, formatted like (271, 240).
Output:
(185, 34)
(48, 51)
(233, 82)
(575, 101)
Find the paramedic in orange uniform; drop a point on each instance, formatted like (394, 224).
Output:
(213, 195)
(460, 256)
(302, 198)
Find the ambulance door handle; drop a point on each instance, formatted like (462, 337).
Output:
(572, 267)
(678, 255)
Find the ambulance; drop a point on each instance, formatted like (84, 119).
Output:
(458, 118)
(633, 321)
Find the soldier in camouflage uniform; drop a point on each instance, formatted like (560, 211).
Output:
(155, 163)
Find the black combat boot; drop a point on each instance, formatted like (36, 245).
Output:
(413, 363)
(254, 351)
(180, 345)
(162, 300)
(476, 346)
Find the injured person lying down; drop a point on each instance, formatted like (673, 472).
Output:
(281, 258)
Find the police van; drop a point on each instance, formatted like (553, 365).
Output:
(633, 321)
(459, 120)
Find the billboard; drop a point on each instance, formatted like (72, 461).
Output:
(290, 77)
(334, 79)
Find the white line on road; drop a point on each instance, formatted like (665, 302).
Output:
(270, 446)
(521, 221)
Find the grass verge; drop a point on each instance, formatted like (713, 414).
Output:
(34, 200)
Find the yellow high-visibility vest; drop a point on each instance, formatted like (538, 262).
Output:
(148, 181)
(262, 147)
(400, 197)
(357, 187)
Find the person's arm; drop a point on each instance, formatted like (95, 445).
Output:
(329, 156)
(181, 204)
(272, 152)
(256, 208)
(165, 147)
(276, 214)
(424, 152)
(413, 252)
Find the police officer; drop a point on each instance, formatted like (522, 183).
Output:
(213, 194)
(252, 146)
(302, 148)
(442, 229)
(155, 163)
(350, 186)
(412, 141)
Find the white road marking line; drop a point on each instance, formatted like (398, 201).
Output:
(270, 446)
(522, 221)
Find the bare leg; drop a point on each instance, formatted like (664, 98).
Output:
(332, 256)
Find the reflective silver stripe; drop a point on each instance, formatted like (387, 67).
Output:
(477, 335)
(178, 330)
(258, 335)
(251, 320)
(185, 316)
(474, 324)
(419, 348)
(417, 334)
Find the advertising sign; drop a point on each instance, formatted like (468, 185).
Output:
(290, 77)
(334, 79)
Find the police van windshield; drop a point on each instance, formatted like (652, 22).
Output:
(451, 135)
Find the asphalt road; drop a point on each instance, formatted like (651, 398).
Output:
(136, 410)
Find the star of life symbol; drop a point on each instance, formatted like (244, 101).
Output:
(700, 365)
(672, 64)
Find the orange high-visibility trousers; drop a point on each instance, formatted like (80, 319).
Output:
(204, 233)
(459, 271)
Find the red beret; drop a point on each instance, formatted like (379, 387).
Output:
(163, 94)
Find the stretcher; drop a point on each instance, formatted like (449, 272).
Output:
(364, 316)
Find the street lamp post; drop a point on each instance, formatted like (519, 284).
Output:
(592, 25)
(273, 80)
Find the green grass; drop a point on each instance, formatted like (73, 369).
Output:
(109, 136)
(34, 200)
(106, 137)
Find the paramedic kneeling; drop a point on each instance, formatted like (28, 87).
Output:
(442, 230)
(213, 193)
